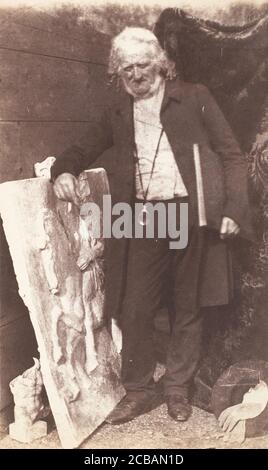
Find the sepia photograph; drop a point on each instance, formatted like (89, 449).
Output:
(134, 226)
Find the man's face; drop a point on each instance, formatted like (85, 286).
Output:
(139, 70)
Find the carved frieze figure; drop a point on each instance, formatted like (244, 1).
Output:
(78, 299)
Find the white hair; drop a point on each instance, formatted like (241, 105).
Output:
(131, 36)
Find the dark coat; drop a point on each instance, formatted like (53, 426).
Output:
(189, 115)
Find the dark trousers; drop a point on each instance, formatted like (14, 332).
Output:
(154, 270)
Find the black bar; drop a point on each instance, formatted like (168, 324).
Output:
(122, 458)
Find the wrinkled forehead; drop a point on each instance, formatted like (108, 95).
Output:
(136, 52)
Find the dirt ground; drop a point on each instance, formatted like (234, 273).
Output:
(154, 430)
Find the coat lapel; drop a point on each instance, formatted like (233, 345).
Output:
(124, 111)
(173, 91)
(124, 107)
(176, 126)
(173, 120)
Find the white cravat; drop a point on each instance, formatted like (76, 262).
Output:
(166, 181)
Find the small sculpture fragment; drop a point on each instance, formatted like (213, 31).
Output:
(240, 400)
(42, 169)
(29, 407)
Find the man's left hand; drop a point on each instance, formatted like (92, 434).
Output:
(229, 228)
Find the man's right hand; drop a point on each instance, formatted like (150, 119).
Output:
(65, 188)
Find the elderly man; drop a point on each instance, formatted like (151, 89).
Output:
(147, 136)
